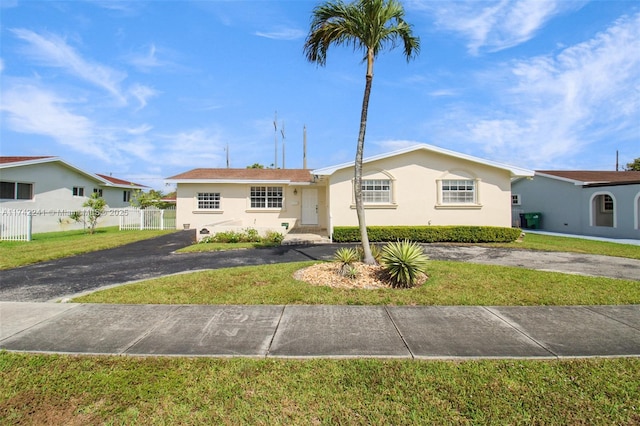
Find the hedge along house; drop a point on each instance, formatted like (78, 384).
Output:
(51, 189)
(594, 203)
(419, 185)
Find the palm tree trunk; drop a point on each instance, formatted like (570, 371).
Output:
(357, 183)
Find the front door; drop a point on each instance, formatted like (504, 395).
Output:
(309, 206)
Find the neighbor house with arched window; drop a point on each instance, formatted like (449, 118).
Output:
(596, 203)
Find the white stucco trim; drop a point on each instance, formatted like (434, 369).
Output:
(592, 218)
(636, 211)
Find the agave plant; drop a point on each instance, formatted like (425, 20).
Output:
(346, 256)
(404, 262)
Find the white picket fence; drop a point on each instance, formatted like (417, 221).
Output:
(149, 218)
(15, 225)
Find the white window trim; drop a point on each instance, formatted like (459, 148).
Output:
(393, 204)
(251, 209)
(204, 209)
(518, 199)
(592, 217)
(77, 189)
(442, 205)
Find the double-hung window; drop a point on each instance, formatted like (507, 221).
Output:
(209, 200)
(459, 191)
(266, 197)
(376, 191)
(78, 191)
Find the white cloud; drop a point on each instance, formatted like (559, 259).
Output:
(556, 105)
(494, 25)
(192, 148)
(51, 50)
(142, 94)
(282, 34)
(30, 109)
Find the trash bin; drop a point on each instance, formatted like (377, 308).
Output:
(533, 220)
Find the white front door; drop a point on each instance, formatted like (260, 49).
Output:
(309, 206)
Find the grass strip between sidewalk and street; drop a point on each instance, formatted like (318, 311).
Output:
(56, 245)
(63, 389)
(449, 283)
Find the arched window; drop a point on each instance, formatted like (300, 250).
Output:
(603, 210)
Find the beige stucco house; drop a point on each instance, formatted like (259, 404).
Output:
(419, 185)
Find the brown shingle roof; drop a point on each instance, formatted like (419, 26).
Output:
(595, 176)
(119, 181)
(6, 160)
(292, 175)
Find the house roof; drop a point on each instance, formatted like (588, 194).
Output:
(592, 177)
(243, 176)
(515, 171)
(9, 162)
(121, 182)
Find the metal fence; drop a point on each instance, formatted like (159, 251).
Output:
(15, 225)
(149, 218)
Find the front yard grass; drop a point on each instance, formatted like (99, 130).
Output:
(56, 245)
(449, 283)
(62, 389)
(571, 245)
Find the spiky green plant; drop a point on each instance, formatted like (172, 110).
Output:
(404, 261)
(346, 256)
(376, 252)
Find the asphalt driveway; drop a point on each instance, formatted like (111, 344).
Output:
(55, 280)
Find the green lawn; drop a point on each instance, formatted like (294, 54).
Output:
(572, 245)
(56, 389)
(56, 245)
(60, 389)
(449, 283)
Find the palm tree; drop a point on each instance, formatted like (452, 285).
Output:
(370, 26)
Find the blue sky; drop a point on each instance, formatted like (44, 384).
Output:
(146, 90)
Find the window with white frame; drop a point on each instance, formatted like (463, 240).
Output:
(16, 190)
(98, 191)
(376, 191)
(266, 197)
(126, 196)
(515, 199)
(607, 203)
(458, 191)
(209, 200)
(78, 191)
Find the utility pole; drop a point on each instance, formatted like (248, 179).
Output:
(304, 146)
(283, 147)
(275, 138)
(227, 149)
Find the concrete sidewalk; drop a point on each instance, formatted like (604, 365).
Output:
(294, 331)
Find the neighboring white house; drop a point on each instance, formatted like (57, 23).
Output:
(419, 185)
(51, 189)
(596, 203)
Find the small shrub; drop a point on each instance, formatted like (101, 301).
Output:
(273, 237)
(404, 262)
(251, 235)
(248, 235)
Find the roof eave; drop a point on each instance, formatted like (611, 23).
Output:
(514, 171)
(237, 181)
